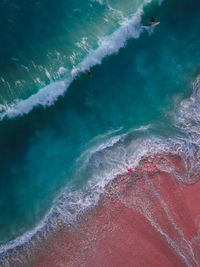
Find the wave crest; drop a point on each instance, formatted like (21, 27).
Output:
(130, 28)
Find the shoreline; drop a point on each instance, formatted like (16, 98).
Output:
(146, 217)
(79, 150)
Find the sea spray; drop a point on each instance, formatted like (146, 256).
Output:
(130, 28)
(73, 203)
(117, 153)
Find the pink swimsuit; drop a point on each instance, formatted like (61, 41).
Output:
(130, 170)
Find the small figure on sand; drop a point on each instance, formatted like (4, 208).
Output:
(130, 170)
(88, 73)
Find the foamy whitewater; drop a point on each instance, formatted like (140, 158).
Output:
(130, 28)
(139, 101)
(71, 203)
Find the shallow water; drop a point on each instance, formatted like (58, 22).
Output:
(80, 138)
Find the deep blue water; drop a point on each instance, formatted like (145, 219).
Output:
(48, 150)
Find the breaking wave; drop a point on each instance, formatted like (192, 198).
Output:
(129, 28)
(104, 163)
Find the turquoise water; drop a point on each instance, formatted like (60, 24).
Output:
(72, 140)
(41, 40)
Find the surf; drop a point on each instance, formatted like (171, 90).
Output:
(108, 153)
(108, 45)
(69, 206)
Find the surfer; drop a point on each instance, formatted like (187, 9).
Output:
(152, 19)
(153, 22)
(130, 170)
(88, 73)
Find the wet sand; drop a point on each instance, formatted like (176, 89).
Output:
(146, 218)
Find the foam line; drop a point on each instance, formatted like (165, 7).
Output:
(129, 28)
(72, 203)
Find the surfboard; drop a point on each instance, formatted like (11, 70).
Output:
(155, 23)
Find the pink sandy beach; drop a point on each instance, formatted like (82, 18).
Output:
(145, 218)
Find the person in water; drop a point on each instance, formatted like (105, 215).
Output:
(152, 20)
(130, 170)
(88, 72)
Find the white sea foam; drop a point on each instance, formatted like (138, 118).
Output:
(46, 97)
(61, 71)
(2, 79)
(83, 44)
(188, 116)
(48, 75)
(130, 28)
(112, 157)
(104, 162)
(143, 128)
(71, 203)
(99, 143)
(116, 156)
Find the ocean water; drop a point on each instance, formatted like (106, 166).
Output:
(64, 134)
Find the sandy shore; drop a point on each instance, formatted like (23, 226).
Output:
(146, 218)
